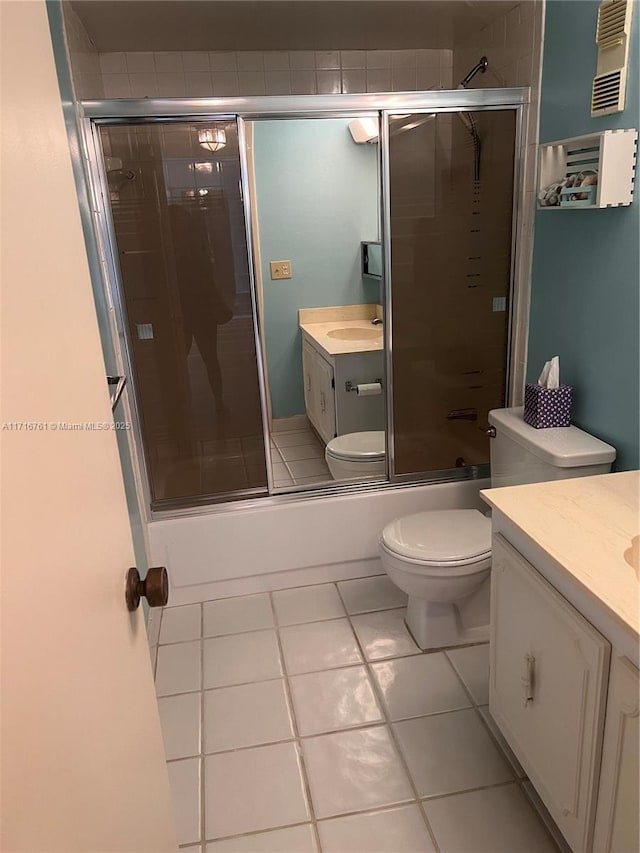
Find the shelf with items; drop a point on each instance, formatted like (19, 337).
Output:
(588, 172)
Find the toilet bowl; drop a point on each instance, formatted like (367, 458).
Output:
(440, 559)
(357, 455)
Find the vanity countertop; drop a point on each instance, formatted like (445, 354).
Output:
(589, 527)
(316, 323)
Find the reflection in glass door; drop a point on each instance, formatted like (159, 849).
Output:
(451, 206)
(180, 242)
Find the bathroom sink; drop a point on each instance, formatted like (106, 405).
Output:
(355, 334)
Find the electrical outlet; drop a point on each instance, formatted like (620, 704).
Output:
(280, 269)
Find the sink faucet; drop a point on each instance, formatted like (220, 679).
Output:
(376, 321)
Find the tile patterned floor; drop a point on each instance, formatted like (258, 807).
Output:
(297, 457)
(307, 720)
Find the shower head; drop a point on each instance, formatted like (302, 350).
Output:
(480, 68)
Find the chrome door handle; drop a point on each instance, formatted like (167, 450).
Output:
(119, 382)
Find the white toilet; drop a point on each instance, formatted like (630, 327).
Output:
(357, 455)
(442, 559)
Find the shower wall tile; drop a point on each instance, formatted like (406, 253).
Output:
(329, 82)
(171, 85)
(379, 58)
(140, 62)
(354, 59)
(116, 86)
(302, 59)
(251, 82)
(225, 83)
(276, 60)
(222, 61)
(85, 61)
(403, 79)
(378, 79)
(143, 85)
(113, 63)
(168, 61)
(195, 60)
(198, 84)
(403, 59)
(354, 81)
(277, 82)
(303, 83)
(277, 72)
(327, 59)
(250, 60)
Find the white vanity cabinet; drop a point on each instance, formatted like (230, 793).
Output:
(617, 828)
(549, 670)
(565, 650)
(331, 408)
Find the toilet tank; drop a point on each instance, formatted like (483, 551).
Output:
(522, 454)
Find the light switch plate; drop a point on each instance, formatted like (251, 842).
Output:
(280, 269)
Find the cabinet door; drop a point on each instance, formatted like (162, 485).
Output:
(547, 690)
(326, 425)
(617, 818)
(309, 382)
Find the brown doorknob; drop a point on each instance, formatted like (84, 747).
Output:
(155, 588)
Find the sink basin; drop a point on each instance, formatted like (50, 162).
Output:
(355, 334)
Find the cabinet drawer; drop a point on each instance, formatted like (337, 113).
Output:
(549, 670)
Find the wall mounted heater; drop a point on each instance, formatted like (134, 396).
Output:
(612, 37)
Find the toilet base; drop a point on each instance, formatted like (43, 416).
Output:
(437, 625)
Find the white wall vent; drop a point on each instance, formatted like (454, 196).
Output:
(612, 37)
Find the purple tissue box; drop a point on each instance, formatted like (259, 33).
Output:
(547, 407)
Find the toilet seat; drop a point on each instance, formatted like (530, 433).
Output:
(449, 540)
(367, 446)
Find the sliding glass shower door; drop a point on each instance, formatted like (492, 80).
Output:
(450, 190)
(179, 238)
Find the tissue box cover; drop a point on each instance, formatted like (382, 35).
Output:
(547, 407)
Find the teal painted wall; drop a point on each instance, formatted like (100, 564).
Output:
(317, 199)
(585, 292)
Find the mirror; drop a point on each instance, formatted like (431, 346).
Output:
(372, 260)
(314, 207)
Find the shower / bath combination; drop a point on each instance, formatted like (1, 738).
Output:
(468, 119)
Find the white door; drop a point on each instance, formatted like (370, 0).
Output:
(82, 759)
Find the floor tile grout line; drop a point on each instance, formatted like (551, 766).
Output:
(294, 724)
(379, 698)
(287, 588)
(299, 738)
(366, 811)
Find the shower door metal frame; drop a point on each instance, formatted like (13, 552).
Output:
(95, 113)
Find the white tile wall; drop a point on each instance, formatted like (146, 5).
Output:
(85, 64)
(276, 72)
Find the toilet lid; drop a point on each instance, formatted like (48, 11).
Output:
(440, 536)
(358, 445)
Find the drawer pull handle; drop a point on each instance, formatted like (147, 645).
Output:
(323, 404)
(528, 678)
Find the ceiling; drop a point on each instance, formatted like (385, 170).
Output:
(130, 25)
